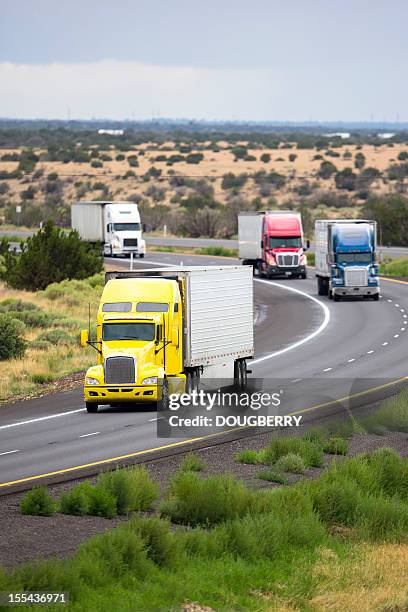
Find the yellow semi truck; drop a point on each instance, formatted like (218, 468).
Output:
(159, 331)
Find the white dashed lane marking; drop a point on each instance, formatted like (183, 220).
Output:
(94, 433)
(9, 452)
(327, 369)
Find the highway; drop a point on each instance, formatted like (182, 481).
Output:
(322, 349)
(177, 241)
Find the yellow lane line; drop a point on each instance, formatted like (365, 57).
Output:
(176, 444)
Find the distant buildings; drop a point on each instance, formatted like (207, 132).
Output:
(111, 132)
(385, 135)
(339, 134)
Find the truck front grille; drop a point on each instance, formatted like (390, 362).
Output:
(119, 370)
(127, 242)
(287, 260)
(355, 277)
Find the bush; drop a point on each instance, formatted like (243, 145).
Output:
(194, 501)
(102, 502)
(16, 305)
(336, 501)
(336, 446)
(40, 345)
(272, 476)
(159, 543)
(192, 463)
(38, 502)
(56, 336)
(311, 453)
(291, 463)
(95, 163)
(77, 500)
(51, 255)
(132, 488)
(12, 343)
(35, 318)
(247, 456)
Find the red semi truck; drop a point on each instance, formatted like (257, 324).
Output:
(273, 243)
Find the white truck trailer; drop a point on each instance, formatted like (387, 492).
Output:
(116, 226)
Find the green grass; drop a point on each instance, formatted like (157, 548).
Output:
(192, 463)
(272, 476)
(336, 446)
(219, 251)
(310, 258)
(248, 456)
(395, 267)
(310, 452)
(291, 463)
(263, 551)
(392, 416)
(132, 488)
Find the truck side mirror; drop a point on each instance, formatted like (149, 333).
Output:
(84, 337)
(174, 337)
(261, 244)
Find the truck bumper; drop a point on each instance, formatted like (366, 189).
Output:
(350, 291)
(111, 394)
(283, 271)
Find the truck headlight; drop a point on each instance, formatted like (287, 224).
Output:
(91, 381)
(151, 380)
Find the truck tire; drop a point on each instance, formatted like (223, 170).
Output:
(240, 374)
(376, 297)
(304, 275)
(192, 381)
(336, 297)
(320, 286)
(91, 407)
(163, 403)
(141, 255)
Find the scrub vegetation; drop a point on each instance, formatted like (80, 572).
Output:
(338, 542)
(395, 267)
(39, 343)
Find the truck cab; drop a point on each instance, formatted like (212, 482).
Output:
(139, 342)
(123, 230)
(272, 242)
(346, 260)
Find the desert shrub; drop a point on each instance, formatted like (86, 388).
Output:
(38, 502)
(336, 446)
(326, 170)
(40, 345)
(393, 414)
(218, 251)
(95, 163)
(248, 456)
(132, 488)
(56, 336)
(194, 501)
(12, 343)
(16, 305)
(42, 379)
(311, 453)
(272, 476)
(76, 501)
(383, 518)
(159, 543)
(51, 255)
(192, 463)
(336, 501)
(35, 318)
(291, 463)
(117, 552)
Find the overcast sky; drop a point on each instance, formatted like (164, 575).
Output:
(272, 60)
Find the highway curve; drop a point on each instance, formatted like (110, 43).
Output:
(331, 349)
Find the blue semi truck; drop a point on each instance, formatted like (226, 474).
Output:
(346, 258)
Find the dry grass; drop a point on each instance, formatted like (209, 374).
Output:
(214, 165)
(30, 374)
(374, 577)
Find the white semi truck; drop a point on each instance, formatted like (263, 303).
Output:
(116, 226)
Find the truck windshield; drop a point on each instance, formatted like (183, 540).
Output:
(363, 258)
(285, 242)
(128, 331)
(126, 227)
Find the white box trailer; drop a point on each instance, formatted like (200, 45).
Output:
(116, 226)
(218, 314)
(250, 235)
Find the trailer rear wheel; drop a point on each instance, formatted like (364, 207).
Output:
(321, 286)
(192, 381)
(336, 297)
(240, 374)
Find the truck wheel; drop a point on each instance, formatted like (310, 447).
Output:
(91, 407)
(163, 403)
(320, 286)
(304, 275)
(336, 297)
(240, 374)
(376, 297)
(192, 381)
(330, 294)
(141, 255)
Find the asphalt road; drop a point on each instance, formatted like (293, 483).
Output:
(315, 349)
(172, 241)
